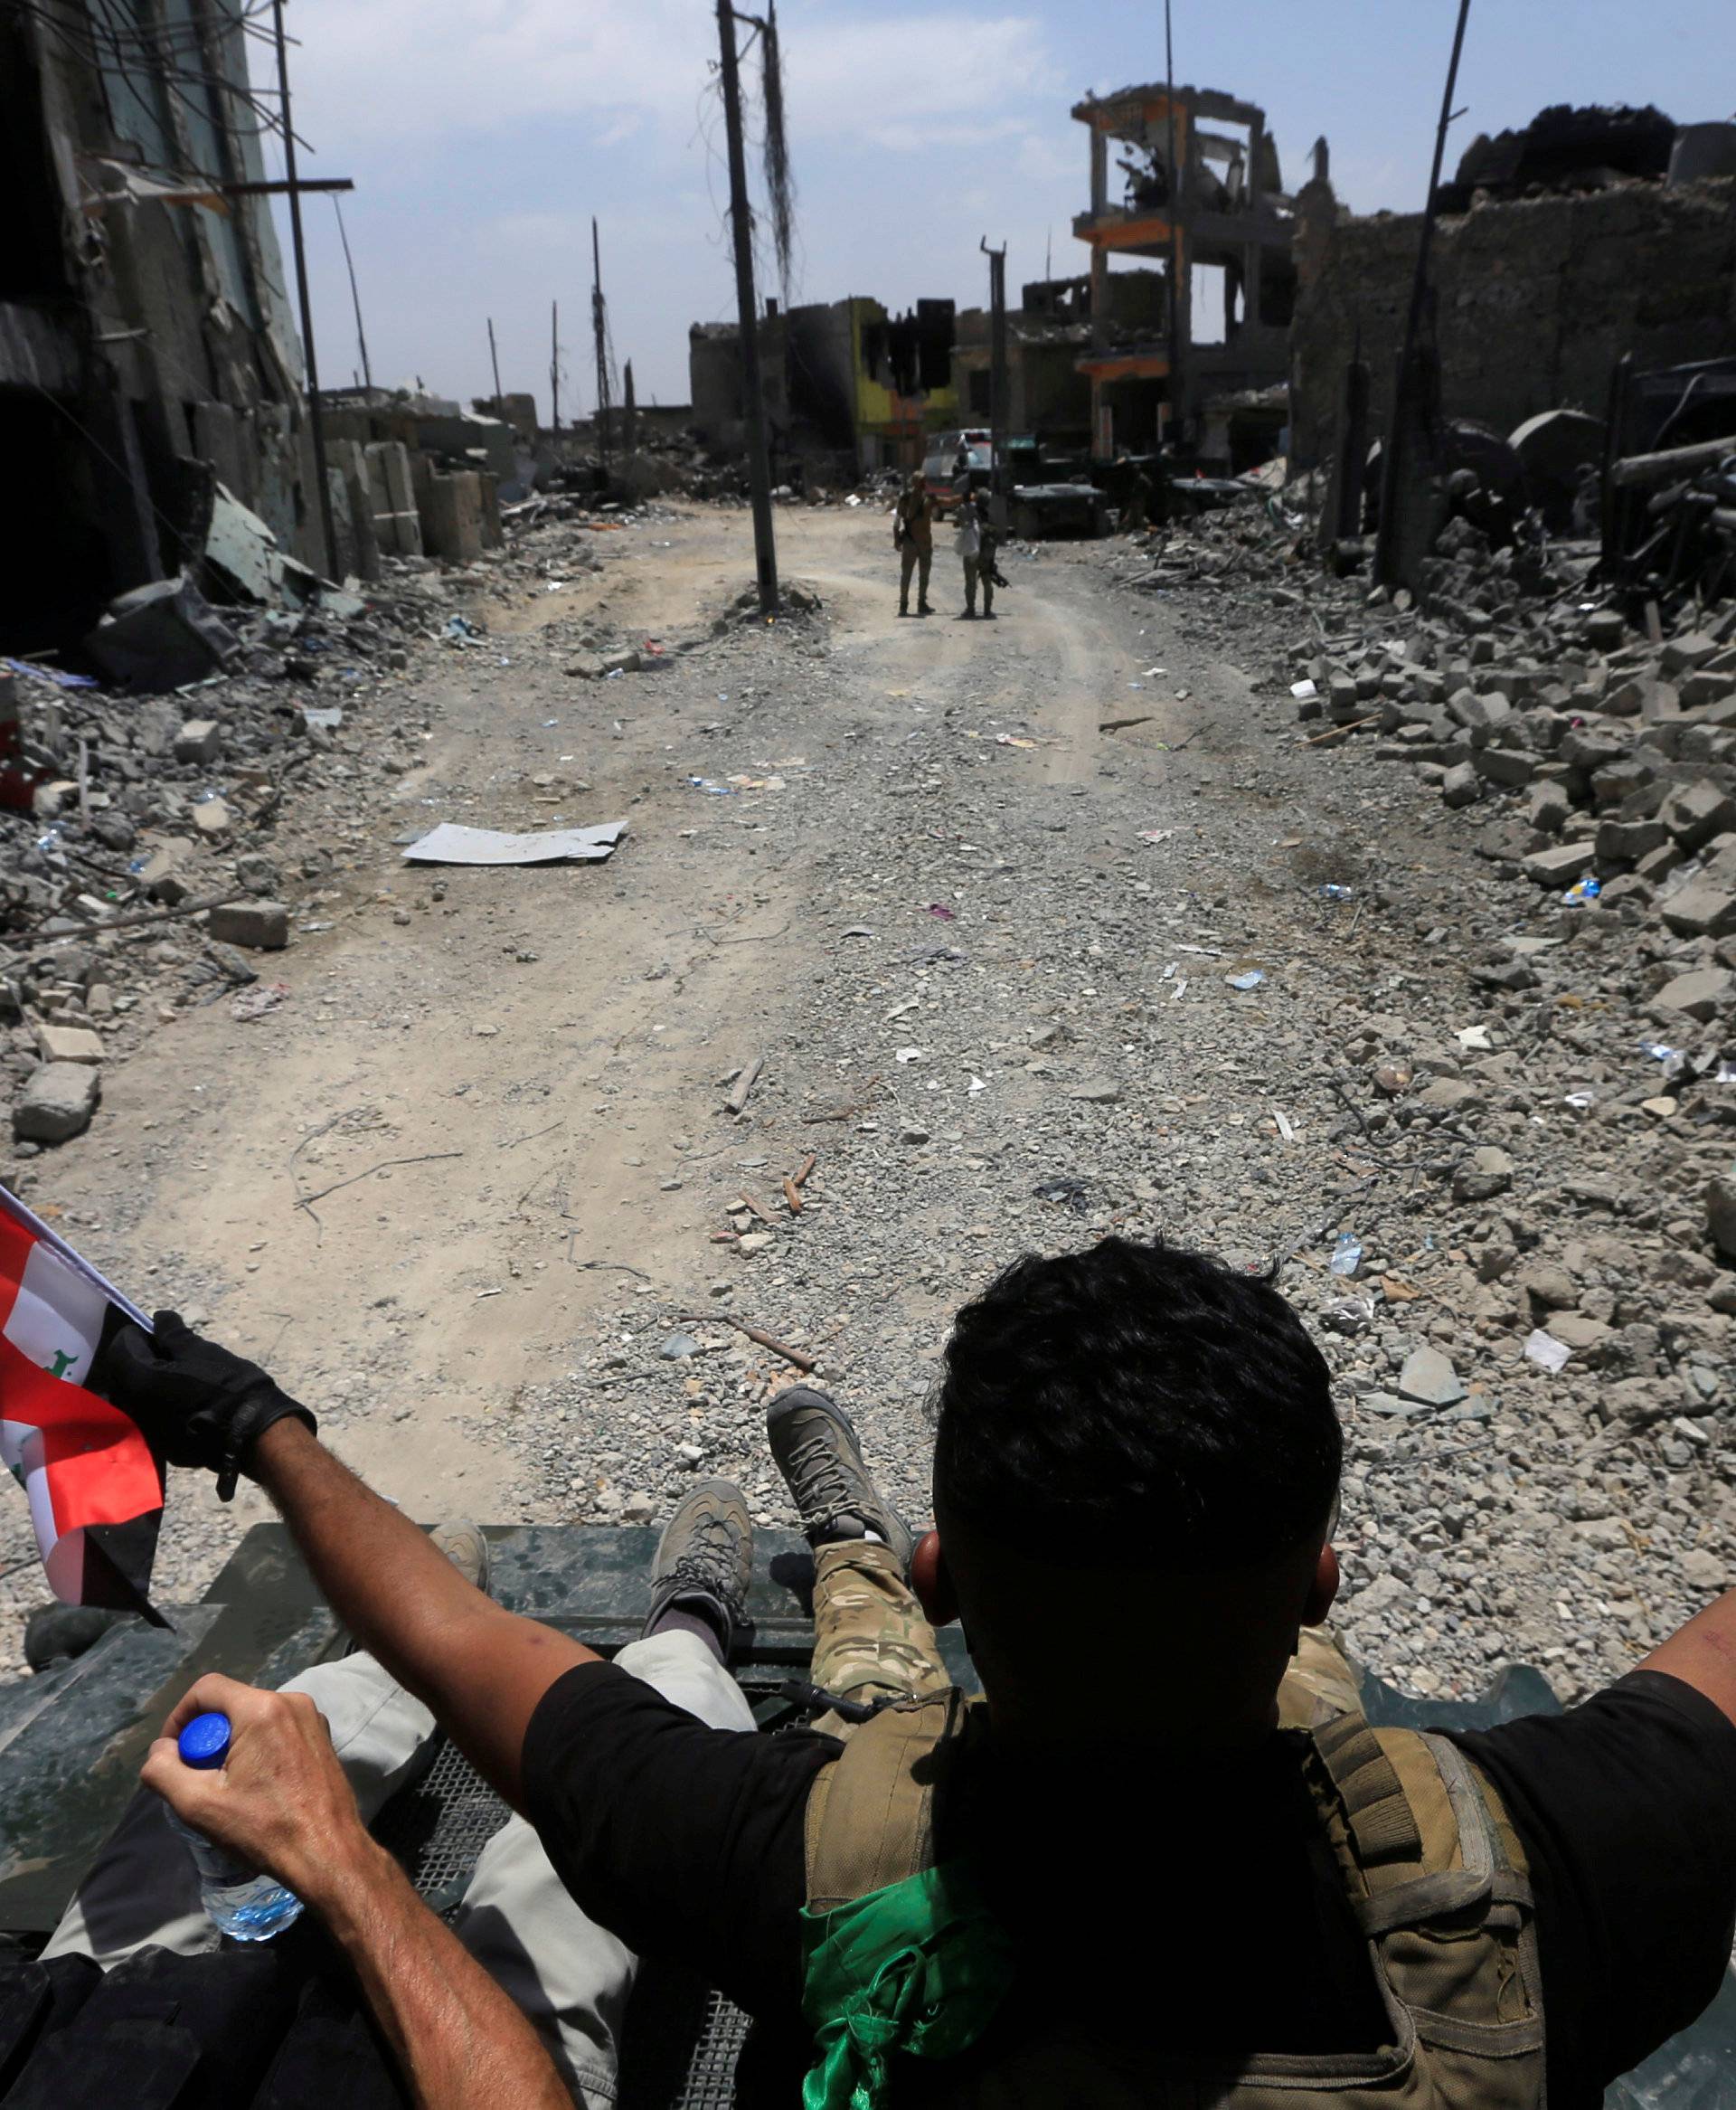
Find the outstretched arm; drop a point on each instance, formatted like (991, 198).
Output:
(281, 1803)
(479, 1669)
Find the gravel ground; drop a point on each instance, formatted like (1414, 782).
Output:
(988, 958)
(1018, 987)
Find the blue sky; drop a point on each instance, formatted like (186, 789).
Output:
(482, 134)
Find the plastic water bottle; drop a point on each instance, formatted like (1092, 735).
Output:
(1346, 1255)
(244, 1902)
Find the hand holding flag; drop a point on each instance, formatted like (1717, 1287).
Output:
(95, 1490)
(94, 1398)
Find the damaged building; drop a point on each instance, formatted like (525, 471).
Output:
(1195, 186)
(849, 387)
(147, 348)
(1589, 237)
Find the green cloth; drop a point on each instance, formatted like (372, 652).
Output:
(917, 1968)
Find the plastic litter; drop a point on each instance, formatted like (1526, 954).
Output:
(1250, 980)
(1333, 892)
(1544, 1350)
(52, 674)
(1346, 1255)
(1582, 891)
(946, 914)
(462, 628)
(717, 791)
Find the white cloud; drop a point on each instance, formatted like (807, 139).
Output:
(397, 68)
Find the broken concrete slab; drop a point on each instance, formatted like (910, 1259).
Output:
(1431, 1380)
(57, 1103)
(69, 1043)
(160, 636)
(1482, 1175)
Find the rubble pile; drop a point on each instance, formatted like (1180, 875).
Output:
(1598, 764)
(155, 850)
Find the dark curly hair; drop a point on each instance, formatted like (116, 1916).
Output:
(1137, 1405)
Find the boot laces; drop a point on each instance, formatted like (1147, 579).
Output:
(823, 1483)
(709, 1562)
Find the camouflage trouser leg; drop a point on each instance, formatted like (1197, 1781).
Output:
(870, 1637)
(1318, 1684)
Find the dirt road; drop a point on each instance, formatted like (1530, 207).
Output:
(460, 1188)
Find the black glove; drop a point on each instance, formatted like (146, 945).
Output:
(197, 1404)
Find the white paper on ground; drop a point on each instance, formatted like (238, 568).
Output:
(452, 843)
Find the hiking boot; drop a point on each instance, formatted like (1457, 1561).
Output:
(924, 608)
(465, 1547)
(820, 1458)
(704, 1562)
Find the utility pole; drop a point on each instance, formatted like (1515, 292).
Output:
(997, 381)
(1403, 382)
(599, 330)
(554, 368)
(1176, 386)
(630, 412)
(355, 298)
(494, 360)
(328, 529)
(753, 403)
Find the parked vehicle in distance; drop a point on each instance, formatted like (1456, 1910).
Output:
(943, 451)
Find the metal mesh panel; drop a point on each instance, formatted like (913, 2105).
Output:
(711, 2073)
(438, 1829)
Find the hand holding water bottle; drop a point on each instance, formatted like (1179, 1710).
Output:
(277, 1805)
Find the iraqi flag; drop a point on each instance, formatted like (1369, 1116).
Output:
(95, 1489)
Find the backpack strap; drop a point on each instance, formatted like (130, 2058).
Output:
(871, 1812)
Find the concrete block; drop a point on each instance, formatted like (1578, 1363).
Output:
(57, 1103)
(1560, 865)
(1699, 995)
(1699, 911)
(1695, 813)
(451, 515)
(1461, 786)
(1506, 765)
(199, 740)
(262, 924)
(69, 1043)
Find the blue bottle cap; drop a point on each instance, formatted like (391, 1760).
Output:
(204, 1742)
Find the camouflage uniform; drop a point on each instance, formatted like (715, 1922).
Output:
(870, 1636)
(870, 1640)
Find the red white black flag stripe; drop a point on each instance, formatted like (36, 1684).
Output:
(95, 1490)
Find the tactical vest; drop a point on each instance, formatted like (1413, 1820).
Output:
(1433, 1871)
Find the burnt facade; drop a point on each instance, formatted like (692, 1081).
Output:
(146, 349)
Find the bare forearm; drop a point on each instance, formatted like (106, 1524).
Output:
(479, 1669)
(459, 2039)
(1702, 1654)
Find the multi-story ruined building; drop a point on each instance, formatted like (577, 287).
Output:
(147, 347)
(1220, 203)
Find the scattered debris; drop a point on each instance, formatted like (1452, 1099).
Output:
(451, 842)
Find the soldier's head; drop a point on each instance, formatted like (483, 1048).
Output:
(1136, 1473)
